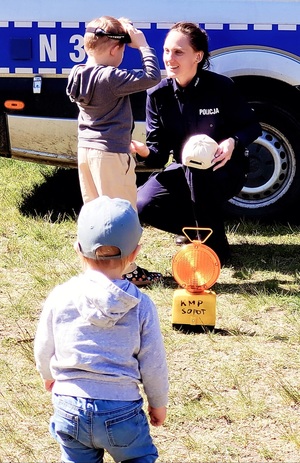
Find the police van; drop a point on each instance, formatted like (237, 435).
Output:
(255, 42)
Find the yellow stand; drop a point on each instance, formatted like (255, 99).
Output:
(194, 308)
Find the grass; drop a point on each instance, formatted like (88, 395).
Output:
(234, 392)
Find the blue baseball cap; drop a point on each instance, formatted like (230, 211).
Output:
(108, 222)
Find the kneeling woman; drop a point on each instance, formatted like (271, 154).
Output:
(191, 101)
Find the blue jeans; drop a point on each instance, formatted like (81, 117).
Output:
(84, 428)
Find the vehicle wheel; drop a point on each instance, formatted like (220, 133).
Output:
(273, 183)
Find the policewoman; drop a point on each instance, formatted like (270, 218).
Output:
(193, 100)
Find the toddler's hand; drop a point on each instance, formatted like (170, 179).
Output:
(48, 384)
(157, 415)
(140, 148)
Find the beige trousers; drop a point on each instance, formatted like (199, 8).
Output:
(110, 174)
(105, 173)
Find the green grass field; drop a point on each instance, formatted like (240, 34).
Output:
(234, 392)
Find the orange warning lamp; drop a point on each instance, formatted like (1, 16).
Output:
(196, 268)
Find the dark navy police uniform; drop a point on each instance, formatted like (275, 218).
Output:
(181, 196)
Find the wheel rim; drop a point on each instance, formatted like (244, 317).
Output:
(272, 170)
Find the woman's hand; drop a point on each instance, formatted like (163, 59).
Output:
(223, 153)
(140, 148)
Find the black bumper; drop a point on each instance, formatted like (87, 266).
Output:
(4, 137)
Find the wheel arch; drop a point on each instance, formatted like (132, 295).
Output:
(256, 61)
(260, 77)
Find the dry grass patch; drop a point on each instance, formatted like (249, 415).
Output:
(234, 392)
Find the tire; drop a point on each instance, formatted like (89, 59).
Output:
(273, 183)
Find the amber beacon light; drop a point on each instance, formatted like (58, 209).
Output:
(196, 268)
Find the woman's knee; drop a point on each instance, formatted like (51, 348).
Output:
(146, 194)
(142, 201)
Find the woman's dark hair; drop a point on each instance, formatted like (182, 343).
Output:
(198, 39)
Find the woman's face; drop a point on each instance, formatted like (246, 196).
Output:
(180, 59)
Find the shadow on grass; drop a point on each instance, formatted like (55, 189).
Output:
(204, 329)
(57, 197)
(270, 257)
(267, 287)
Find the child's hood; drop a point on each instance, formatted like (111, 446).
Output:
(103, 302)
(81, 83)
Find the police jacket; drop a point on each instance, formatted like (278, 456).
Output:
(210, 104)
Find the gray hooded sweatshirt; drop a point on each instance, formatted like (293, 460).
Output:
(105, 120)
(101, 339)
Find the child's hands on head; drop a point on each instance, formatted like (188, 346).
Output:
(138, 39)
(125, 22)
